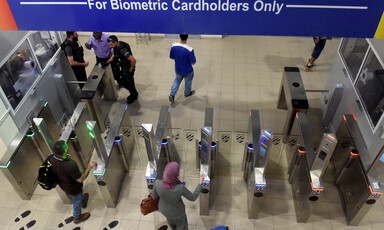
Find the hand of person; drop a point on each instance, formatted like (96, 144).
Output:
(87, 45)
(92, 164)
(103, 64)
(201, 178)
(85, 64)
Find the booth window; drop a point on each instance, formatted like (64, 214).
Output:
(370, 87)
(352, 52)
(18, 74)
(44, 45)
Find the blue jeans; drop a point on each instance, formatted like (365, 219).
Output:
(188, 83)
(318, 48)
(77, 203)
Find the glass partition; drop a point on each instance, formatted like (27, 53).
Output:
(18, 74)
(44, 45)
(370, 87)
(352, 52)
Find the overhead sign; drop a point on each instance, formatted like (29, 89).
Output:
(331, 18)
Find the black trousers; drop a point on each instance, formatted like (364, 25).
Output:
(127, 81)
(80, 74)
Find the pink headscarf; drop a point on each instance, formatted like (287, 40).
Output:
(170, 176)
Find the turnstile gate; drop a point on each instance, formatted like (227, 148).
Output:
(98, 83)
(307, 167)
(113, 153)
(359, 190)
(75, 134)
(292, 97)
(28, 150)
(206, 160)
(254, 164)
(159, 146)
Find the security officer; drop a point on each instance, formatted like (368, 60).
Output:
(75, 55)
(124, 66)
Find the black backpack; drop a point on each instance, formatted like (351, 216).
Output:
(47, 179)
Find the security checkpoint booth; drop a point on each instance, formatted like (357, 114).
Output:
(206, 160)
(254, 164)
(159, 147)
(113, 155)
(357, 121)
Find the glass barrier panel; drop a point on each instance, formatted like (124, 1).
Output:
(370, 87)
(18, 74)
(352, 51)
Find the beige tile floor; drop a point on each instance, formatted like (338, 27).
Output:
(232, 75)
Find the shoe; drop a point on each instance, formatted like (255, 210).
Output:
(164, 227)
(85, 201)
(308, 66)
(130, 100)
(190, 93)
(171, 98)
(83, 217)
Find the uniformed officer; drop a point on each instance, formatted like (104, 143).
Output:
(75, 55)
(124, 66)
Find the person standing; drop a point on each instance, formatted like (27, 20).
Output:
(184, 57)
(319, 46)
(75, 55)
(99, 42)
(70, 179)
(170, 190)
(124, 68)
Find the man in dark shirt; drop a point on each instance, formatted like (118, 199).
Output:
(70, 179)
(125, 66)
(75, 55)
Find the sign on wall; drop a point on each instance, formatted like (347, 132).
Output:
(336, 18)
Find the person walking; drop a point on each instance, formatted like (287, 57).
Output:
(319, 46)
(124, 66)
(75, 55)
(184, 57)
(99, 42)
(70, 179)
(170, 190)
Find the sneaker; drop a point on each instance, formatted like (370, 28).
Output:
(171, 98)
(190, 93)
(308, 66)
(85, 200)
(130, 100)
(83, 217)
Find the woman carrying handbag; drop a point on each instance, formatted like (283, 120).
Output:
(170, 190)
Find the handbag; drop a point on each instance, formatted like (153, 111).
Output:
(149, 205)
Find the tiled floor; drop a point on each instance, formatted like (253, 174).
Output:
(232, 75)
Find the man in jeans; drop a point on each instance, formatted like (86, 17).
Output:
(184, 57)
(70, 179)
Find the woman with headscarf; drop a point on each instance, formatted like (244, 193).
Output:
(170, 190)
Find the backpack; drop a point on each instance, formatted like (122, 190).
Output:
(47, 179)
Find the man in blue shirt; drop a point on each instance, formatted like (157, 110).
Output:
(98, 41)
(184, 57)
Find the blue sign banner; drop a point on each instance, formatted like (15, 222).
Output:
(331, 18)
